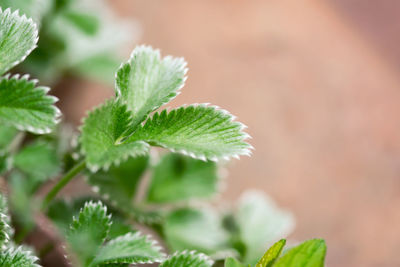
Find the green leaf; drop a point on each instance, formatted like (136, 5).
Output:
(146, 81)
(188, 259)
(6, 231)
(34, 9)
(119, 184)
(272, 254)
(308, 254)
(89, 231)
(177, 178)
(19, 256)
(18, 37)
(102, 134)
(202, 132)
(130, 248)
(5, 163)
(7, 134)
(26, 106)
(87, 23)
(195, 230)
(261, 223)
(232, 262)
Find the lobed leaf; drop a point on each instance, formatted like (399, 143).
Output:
(19, 256)
(272, 254)
(129, 249)
(102, 137)
(187, 259)
(18, 37)
(201, 132)
(308, 254)
(146, 81)
(27, 106)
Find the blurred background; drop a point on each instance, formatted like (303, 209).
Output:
(317, 84)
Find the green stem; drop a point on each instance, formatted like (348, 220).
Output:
(63, 182)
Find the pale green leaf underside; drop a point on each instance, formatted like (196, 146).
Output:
(102, 134)
(129, 248)
(178, 178)
(308, 254)
(18, 37)
(26, 106)
(20, 257)
(146, 81)
(203, 132)
(88, 232)
(188, 259)
(272, 254)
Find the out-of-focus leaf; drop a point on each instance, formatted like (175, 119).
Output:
(7, 134)
(87, 23)
(232, 262)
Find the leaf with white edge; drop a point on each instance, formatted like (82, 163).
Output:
(19, 256)
(102, 137)
(129, 248)
(195, 229)
(232, 262)
(27, 106)
(88, 232)
(120, 183)
(188, 259)
(261, 223)
(177, 177)
(18, 37)
(6, 231)
(146, 81)
(311, 253)
(272, 254)
(203, 132)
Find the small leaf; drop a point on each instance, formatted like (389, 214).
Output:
(102, 134)
(196, 230)
(272, 254)
(19, 256)
(119, 183)
(177, 178)
(188, 259)
(87, 23)
(130, 248)
(198, 131)
(88, 232)
(146, 81)
(232, 262)
(308, 254)
(18, 37)
(26, 106)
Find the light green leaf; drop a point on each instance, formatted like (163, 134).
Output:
(130, 248)
(86, 22)
(188, 259)
(202, 132)
(193, 229)
(177, 178)
(119, 184)
(18, 37)
(7, 134)
(26, 106)
(232, 262)
(261, 223)
(5, 162)
(102, 134)
(308, 254)
(6, 231)
(88, 232)
(19, 256)
(146, 81)
(34, 9)
(272, 254)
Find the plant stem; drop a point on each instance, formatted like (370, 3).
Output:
(63, 182)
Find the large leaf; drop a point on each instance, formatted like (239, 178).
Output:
(20, 257)
(146, 81)
(261, 223)
(202, 132)
(177, 178)
(308, 254)
(88, 232)
(27, 106)
(18, 37)
(196, 230)
(272, 254)
(102, 134)
(188, 259)
(130, 248)
(119, 184)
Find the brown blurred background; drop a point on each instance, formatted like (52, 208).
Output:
(317, 84)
